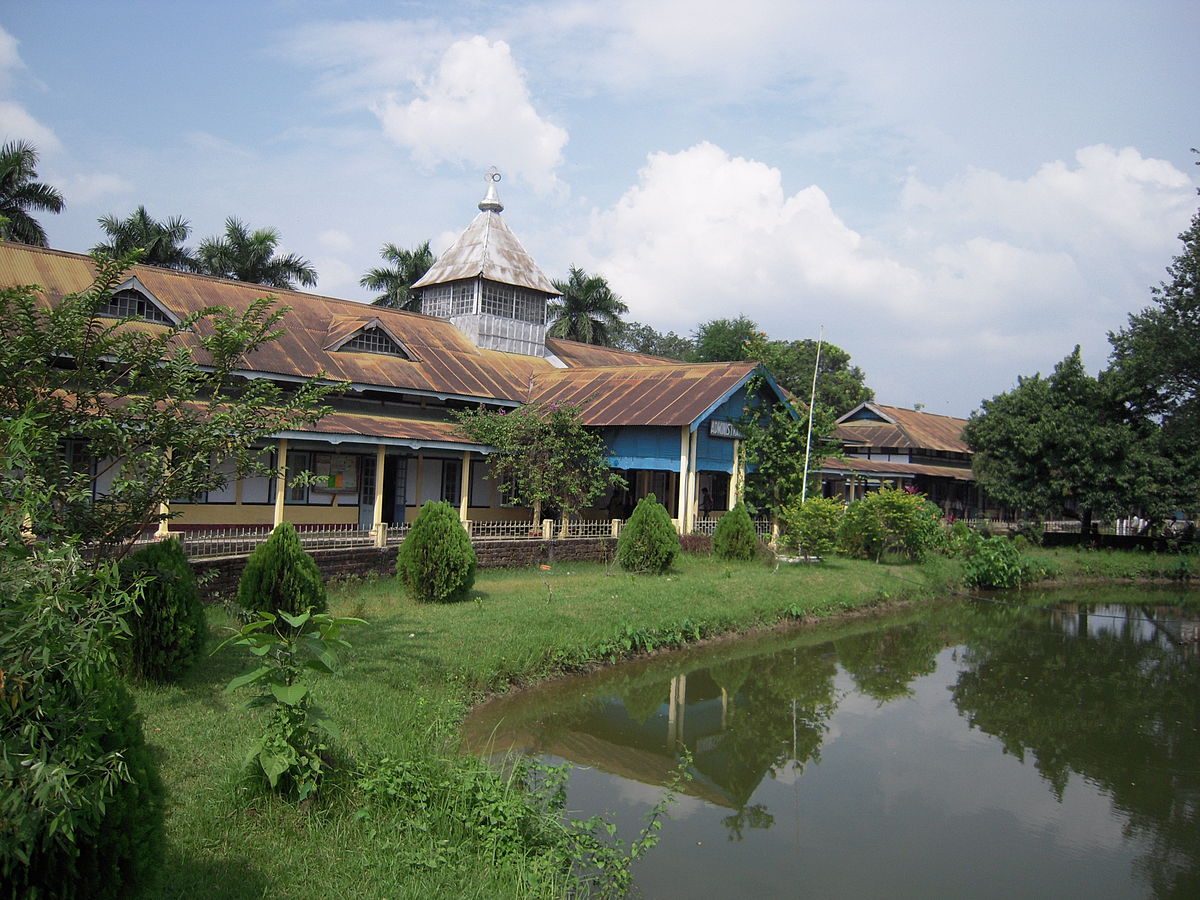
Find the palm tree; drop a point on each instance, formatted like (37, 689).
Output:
(161, 243)
(396, 282)
(19, 194)
(246, 255)
(588, 310)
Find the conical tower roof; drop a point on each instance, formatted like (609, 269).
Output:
(487, 248)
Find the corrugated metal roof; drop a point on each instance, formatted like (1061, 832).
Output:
(575, 355)
(664, 394)
(409, 431)
(858, 466)
(892, 426)
(487, 247)
(446, 363)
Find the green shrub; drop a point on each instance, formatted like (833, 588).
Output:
(999, 563)
(81, 803)
(735, 537)
(962, 541)
(648, 542)
(280, 577)
(436, 562)
(168, 628)
(890, 521)
(812, 526)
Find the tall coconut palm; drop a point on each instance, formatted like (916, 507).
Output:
(588, 310)
(161, 242)
(396, 282)
(20, 194)
(246, 255)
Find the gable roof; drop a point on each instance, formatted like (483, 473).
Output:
(664, 394)
(874, 425)
(446, 364)
(487, 247)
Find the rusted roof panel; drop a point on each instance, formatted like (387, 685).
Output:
(858, 466)
(904, 428)
(487, 247)
(397, 428)
(447, 362)
(662, 395)
(575, 354)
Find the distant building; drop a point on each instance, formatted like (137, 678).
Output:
(887, 445)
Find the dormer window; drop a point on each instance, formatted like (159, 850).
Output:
(364, 334)
(374, 340)
(131, 303)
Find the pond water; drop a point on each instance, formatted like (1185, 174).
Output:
(1033, 746)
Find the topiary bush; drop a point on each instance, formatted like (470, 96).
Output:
(81, 803)
(168, 628)
(648, 542)
(812, 526)
(436, 562)
(280, 577)
(734, 536)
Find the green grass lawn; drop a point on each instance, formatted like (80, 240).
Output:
(413, 672)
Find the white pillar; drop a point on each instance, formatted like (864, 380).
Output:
(681, 506)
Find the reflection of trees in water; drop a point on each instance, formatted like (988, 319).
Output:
(755, 816)
(884, 663)
(1110, 705)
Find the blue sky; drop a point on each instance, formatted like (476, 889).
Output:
(957, 192)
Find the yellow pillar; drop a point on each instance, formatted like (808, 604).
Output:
(377, 514)
(464, 486)
(280, 480)
(737, 481)
(420, 479)
(693, 481)
(164, 510)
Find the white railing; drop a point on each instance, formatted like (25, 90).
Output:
(762, 527)
(201, 543)
(505, 531)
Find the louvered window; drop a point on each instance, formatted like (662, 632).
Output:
(132, 304)
(373, 340)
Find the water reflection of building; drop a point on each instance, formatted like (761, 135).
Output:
(1166, 626)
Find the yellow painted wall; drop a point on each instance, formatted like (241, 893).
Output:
(259, 514)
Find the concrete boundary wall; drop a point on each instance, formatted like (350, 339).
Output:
(219, 577)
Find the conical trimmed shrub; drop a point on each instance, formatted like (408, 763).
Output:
(169, 628)
(648, 542)
(436, 562)
(281, 576)
(734, 537)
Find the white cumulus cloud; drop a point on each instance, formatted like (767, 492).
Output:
(476, 109)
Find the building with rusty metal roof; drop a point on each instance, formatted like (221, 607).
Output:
(390, 442)
(888, 445)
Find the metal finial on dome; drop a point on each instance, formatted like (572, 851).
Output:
(492, 201)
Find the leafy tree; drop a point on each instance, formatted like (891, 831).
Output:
(726, 340)
(648, 542)
(774, 443)
(396, 281)
(437, 562)
(1158, 358)
(245, 255)
(588, 310)
(280, 577)
(21, 195)
(161, 243)
(82, 803)
(734, 536)
(1067, 440)
(141, 406)
(840, 386)
(544, 455)
(644, 339)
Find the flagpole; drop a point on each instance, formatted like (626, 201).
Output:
(812, 400)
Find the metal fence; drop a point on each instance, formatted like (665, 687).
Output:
(206, 543)
(762, 527)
